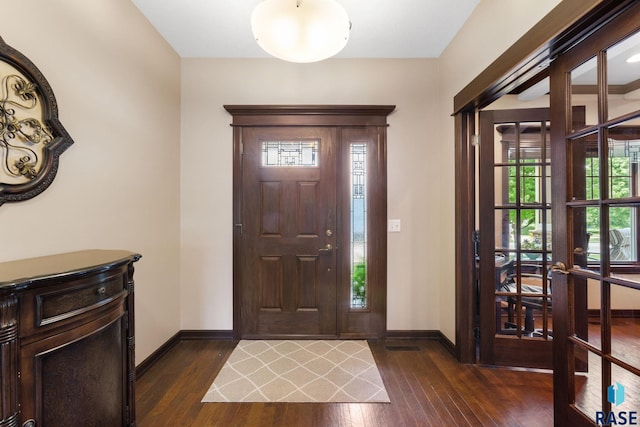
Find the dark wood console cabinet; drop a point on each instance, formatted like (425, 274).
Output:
(67, 340)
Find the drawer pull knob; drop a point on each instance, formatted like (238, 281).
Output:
(101, 290)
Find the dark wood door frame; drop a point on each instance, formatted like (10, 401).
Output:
(353, 123)
(525, 61)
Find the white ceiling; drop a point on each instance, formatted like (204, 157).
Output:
(380, 28)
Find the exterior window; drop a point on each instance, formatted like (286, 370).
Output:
(622, 178)
(290, 153)
(358, 162)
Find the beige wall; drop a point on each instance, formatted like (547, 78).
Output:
(206, 175)
(117, 84)
(118, 88)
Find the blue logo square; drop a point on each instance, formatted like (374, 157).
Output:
(615, 393)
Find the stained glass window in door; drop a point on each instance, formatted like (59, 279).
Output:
(358, 169)
(290, 153)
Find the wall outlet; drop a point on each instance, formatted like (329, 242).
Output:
(393, 226)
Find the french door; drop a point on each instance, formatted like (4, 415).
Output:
(515, 290)
(597, 369)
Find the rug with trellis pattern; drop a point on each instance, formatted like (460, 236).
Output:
(299, 371)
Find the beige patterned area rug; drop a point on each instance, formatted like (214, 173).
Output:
(299, 371)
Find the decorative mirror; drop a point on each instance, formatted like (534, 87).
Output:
(31, 136)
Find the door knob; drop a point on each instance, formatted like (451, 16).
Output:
(326, 249)
(560, 267)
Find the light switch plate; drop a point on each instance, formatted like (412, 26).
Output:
(393, 226)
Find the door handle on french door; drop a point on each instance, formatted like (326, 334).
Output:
(560, 267)
(326, 249)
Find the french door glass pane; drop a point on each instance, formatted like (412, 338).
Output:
(535, 229)
(582, 237)
(534, 187)
(523, 316)
(622, 234)
(628, 390)
(592, 187)
(593, 232)
(505, 143)
(533, 142)
(593, 305)
(505, 188)
(588, 384)
(623, 64)
(633, 278)
(619, 177)
(584, 80)
(506, 233)
(591, 392)
(522, 142)
(586, 178)
(625, 324)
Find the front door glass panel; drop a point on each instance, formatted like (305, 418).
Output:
(290, 153)
(358, 162)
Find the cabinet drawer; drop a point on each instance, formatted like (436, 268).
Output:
(56, 304)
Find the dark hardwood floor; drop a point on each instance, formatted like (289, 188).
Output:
(427, 387)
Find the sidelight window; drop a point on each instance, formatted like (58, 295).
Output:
(358, 173)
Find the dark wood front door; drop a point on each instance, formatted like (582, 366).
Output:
(289, 232)
(310, 217)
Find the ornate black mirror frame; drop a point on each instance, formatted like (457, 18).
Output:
(31, 136)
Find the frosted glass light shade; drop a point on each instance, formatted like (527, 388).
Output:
(300, 30)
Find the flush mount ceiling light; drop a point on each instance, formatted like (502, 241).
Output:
(301, 30)
(634, 58)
